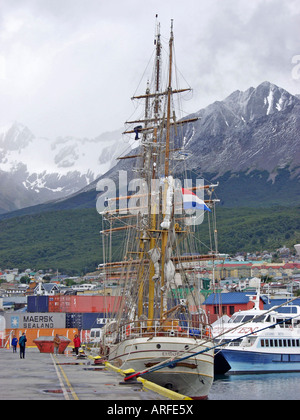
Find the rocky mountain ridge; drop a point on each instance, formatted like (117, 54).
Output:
(250, 131)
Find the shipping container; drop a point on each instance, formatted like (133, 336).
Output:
(74, 320)
(37, 304)
(84, 303)
(54, 303)
(74, 303)
(94, 320)
(87, 320)
(33, 333)
(35, 320)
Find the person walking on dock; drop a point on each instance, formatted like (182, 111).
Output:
(22, 344)
(14, 343)
(57, 342)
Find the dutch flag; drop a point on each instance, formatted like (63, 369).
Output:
(190, 201)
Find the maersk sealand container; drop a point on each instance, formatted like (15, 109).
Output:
(37, 304)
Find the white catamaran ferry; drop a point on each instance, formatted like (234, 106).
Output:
(256, 341)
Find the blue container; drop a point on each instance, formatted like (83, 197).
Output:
(37, 304)
(31, 303)
(94, 320)
(42, 304)
(74, 320)
(86, 320)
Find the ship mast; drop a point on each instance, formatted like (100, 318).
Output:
(167, 154)
(165, 233)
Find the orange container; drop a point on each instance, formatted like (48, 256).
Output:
(34, 333)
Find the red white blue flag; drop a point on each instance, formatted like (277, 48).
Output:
(191, 201)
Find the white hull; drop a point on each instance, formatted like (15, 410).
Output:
(192, 377)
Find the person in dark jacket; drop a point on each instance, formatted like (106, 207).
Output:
(22, 344)
(14, 343)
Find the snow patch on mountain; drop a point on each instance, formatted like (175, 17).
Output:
(51, 169)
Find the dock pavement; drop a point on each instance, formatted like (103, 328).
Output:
(45, 376)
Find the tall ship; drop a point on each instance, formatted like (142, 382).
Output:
(161, 332)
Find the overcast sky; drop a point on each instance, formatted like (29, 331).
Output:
(69, 67)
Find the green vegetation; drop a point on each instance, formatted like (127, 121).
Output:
(257, 229)
(69, 240)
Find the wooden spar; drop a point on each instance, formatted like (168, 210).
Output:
(171, 124)
(154, 95)
(202, 187)
(176, 260)
(129, 157)
(116, 229)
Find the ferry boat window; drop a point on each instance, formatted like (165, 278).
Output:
(280, 322)
(289, 343)
(267, 343)
(247, 318)
(280, 343)
(236, 342)
(297, 343)
(284, 343)
(293, 343)
(262, 343)
(238, 318)
(275, 343)
(271, 343)
(259, 318)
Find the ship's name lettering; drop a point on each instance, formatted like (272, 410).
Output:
(167, 353)
(246, 330)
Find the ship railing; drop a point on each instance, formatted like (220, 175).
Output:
(158, 328)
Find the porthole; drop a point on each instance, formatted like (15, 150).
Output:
(158, 346)
(186, 347)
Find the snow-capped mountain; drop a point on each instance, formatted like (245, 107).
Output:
(34, 170)
(253, 130)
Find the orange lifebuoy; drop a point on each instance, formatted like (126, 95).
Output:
(207, 332)
(128, 330)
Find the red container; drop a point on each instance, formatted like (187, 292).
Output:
(54, 303)
(84, 303)
(90, 303)
(46, 344)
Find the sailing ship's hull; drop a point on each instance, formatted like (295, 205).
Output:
(192, 377)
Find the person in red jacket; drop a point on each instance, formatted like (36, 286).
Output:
(77, 343)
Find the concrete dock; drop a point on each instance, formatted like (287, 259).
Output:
(44, 376)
